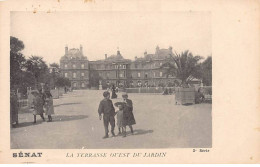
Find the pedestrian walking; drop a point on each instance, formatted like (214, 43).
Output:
(48, 106)
(107, 109)
(128, 115)
(114, 95)
(37, 105)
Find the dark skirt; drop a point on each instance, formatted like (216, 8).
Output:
(128, 117)
(113, 95)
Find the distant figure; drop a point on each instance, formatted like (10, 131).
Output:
(114, 95)
(37, 105)
(120, 118)
(49, 109)
(13, 108)
(128, 115)
(116, 89)
(107, 109)
(46, 87)
(165, 92)
(199, 96)
(170, 91)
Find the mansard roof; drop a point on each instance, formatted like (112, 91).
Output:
(74, 54)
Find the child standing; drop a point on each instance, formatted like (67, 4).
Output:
(49, 109)
(120, 118)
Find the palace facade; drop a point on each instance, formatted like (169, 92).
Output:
(115, 69)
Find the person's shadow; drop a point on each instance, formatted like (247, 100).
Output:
(57, 118)
(140, 132)
(62, 118)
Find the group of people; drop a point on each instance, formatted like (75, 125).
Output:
(42, 103)
(114, 90)
(125, 116)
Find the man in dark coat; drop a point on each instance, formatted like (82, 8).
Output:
(107, 109)
(14, 108)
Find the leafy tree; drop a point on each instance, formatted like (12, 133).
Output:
(184, 66)
(17, 61)
(94, 79)
(62, 82)
(206, 68)
(55, 65)
(54, 74)
(38, 68)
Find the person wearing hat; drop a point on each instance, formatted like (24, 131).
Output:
(49, 109)
(37, 105)
(128, 115)
(107, 109)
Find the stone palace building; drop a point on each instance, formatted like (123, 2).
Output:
(115, 69)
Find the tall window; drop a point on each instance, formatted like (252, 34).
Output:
(160, 74)
(82, 65)
(121, 75)
(82, 84)
(82, 74)
(66, 74)
(154, 74)
(74, 84)
(124, 66)
(124, 74)
(107, 74)
(74, 65)
(139, 74)
(146, 75)
(66, 65)
(74, 75)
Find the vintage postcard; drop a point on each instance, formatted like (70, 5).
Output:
(109, 81)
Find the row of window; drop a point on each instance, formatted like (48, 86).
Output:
(120, 66)
(74, 75)
(121, 75)
(106, 67)
(147, 66)
(74, 66)
(146, 75)
(83, 85)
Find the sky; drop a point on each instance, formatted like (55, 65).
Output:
(133, 33)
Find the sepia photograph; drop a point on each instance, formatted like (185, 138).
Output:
(129, 82)
(110, 80)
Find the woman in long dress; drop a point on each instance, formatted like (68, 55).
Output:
(128, 115)
(113, 92)
(38, 103)
(49, 109)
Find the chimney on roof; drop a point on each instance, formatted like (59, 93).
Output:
(66, 49)
(118, 52)
(81, 49)
(105, 56)
(157, 49)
